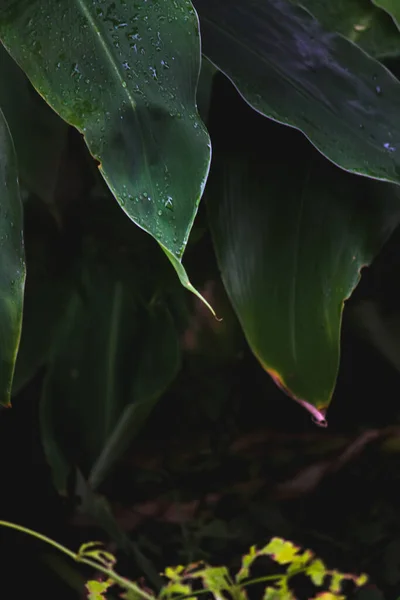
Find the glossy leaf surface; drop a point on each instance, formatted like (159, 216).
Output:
(12, 262)
(291, 233)
(125, 74)
(39, 135)
(290, 69)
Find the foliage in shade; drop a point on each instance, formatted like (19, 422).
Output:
(392, 7)
(294, 206)
(291, 233)
(360, 22)
(12, 262)
(111, 361)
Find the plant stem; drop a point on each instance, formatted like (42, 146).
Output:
(125, 583)
(41, 537)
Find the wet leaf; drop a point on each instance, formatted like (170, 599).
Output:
(39, 135)
(125, 75)
(12, 262)
(291, 234)
(292, 70)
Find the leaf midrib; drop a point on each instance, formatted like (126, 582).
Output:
(86, 13)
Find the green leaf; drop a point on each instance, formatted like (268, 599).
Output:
(271, 593)
(360, 22)
(282, 551)
(12, 262)
(289, 68)
(125, 75)
(96, 589)
(157, 366)
(392, 7)
(101, 366)
(39, 135)
(47, 291)
(291, 233)
(336, 582)
(317, 572)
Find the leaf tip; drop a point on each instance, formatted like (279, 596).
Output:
(318, 415)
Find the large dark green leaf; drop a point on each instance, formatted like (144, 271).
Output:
(291, 233)
(12, 262)
(125, 74)
(111, 353)
(292, 70)
(39, 135)
(359, 21)
(392, 7)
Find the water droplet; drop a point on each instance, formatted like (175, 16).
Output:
(75, 70)
(124, 84)
(168, 203)
(159, 213)
(145, 194)
(388, 147)
(378, 89)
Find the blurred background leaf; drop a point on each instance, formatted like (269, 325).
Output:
(360, 22)
(392, 7)
(12, 262)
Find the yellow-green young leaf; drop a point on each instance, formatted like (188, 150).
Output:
(291, 69)
(214, 579)
(361, 580)
(125, 75)
(328, 596)
(97, 589)
(274, 594)
(317, 572)
(247, 561)
(176, 588)
(300, 562)
(12, 262)
(291, 233)
(281, 551)
(336, 581)
(174, 573)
